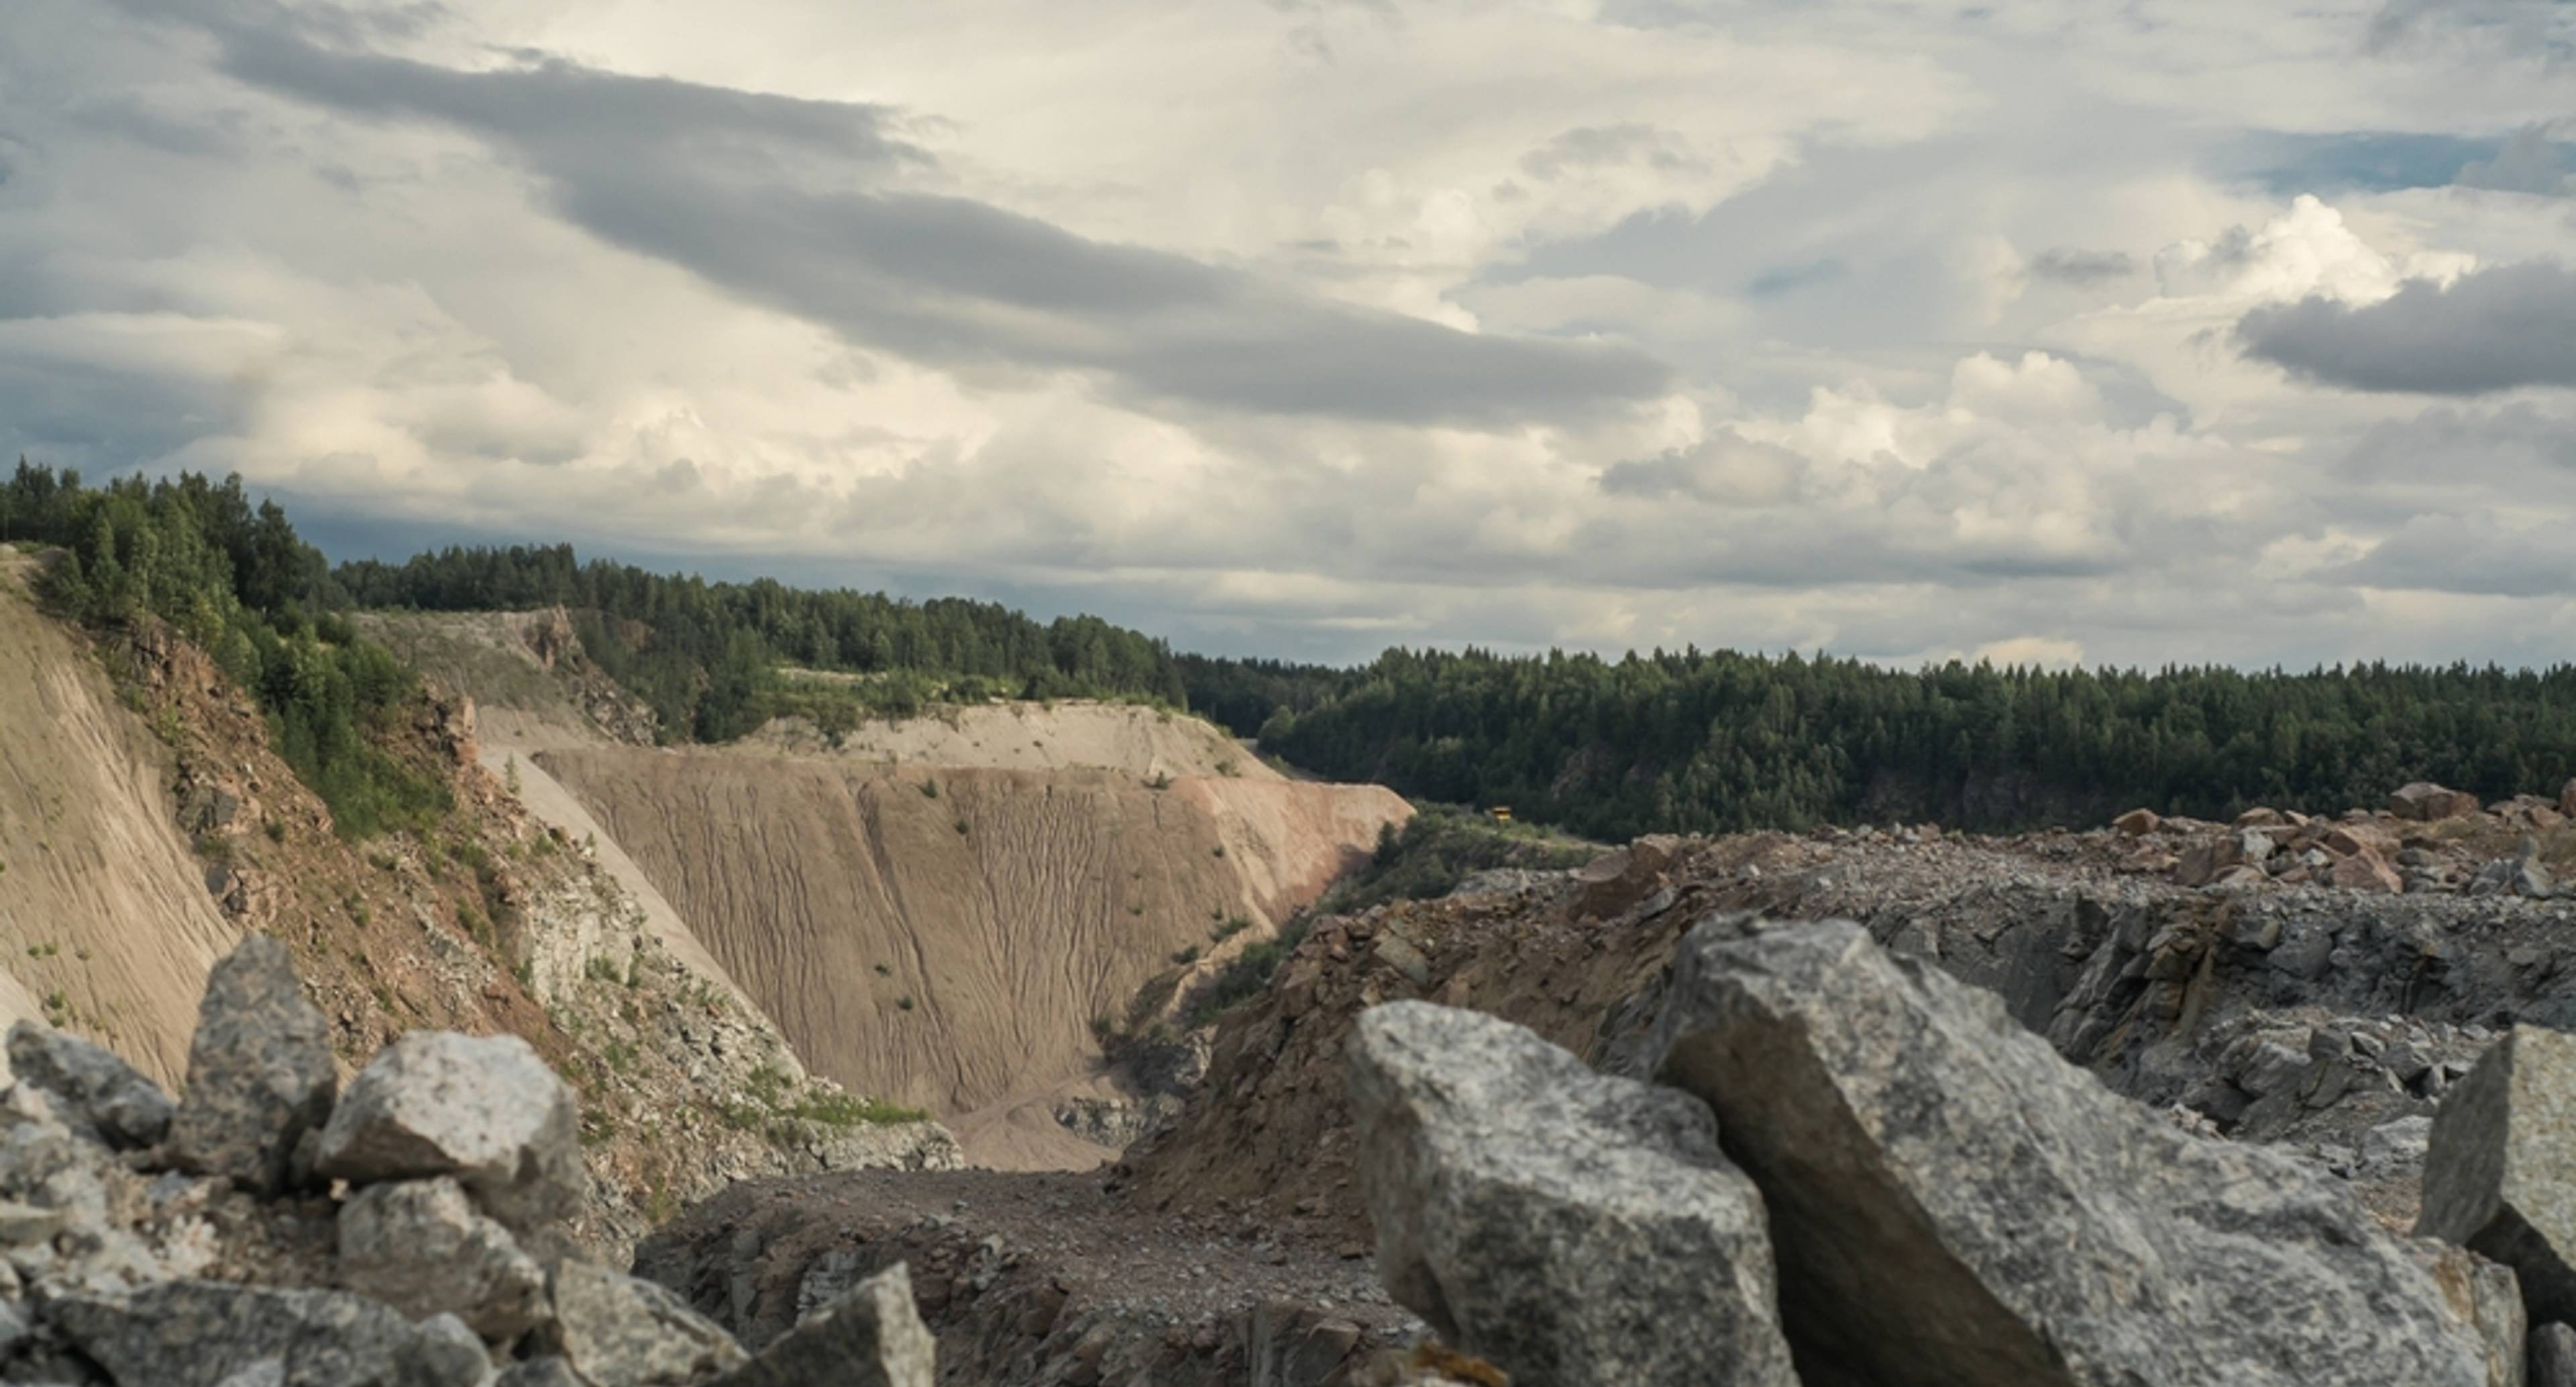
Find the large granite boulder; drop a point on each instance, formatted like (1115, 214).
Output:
(90, 1085)
(420, 1246)
(484, 1109)
(1575, 1229)
(616, 1331)
(2424, 800)
(2500, 1172)
(259, 1070)
(870, 1337)
(205, 1333)
(1954, 1205)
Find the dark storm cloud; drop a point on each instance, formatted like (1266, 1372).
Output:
(783, 201)
(2067, 265)
(2495, 329)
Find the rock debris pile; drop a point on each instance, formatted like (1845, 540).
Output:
(269, 1230)
(1855, 1171)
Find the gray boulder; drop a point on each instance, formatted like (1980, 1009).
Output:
(2553, 1357)
(420, 1247)
(539, 1372)
(1954, 1204)
(205, 1334)
(259, 1070)
(871, 1337)
(484, 1109)
(2500, 1172)
(90, 1085)
(1575, 1229)
(617, 1331)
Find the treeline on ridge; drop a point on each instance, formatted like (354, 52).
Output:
(238, 581)
(708, 655)
(1721, 741)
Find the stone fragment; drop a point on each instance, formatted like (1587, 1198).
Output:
(1573, 1228)
(871, 1337)
(2365, 870)
(420, 1247)
(617, 1331)
(2500, 1173)
(548, 1371)
(2138, 823)
(2425, 801)
(2553, 1357)
(484, 1109)
(259, 1070)
(1954, 1204)
(90, 1085)
(205, 1334)
(2567, 798)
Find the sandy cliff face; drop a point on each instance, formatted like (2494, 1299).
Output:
(105, 920)
(948, 938)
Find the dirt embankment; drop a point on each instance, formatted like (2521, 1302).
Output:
(951, 938)
(105, 921)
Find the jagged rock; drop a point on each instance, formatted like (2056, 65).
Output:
(2567, 798)
(205, 1333)
(484, 1109)
(2138, 823)
(2500, 1173)
(871, 1337)
(617, 1331)
(90, 1085)
(2365, 870)
(1954, 1204)
(259, 1070)
(2553, 1357)
(1575, 1229)
(419, 1246)
(2424, 800)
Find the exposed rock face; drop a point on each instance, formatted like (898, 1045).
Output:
(871, 1337)
(419, 1246)
(1955, 1205)
(2500, 1175)
(1574, 1229)
(484, 1109)
(616, 1331)
(90, 1085)
(206, 1334)
(259, 1070)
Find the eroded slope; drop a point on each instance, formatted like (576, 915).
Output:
(950, 938)
(105, 921)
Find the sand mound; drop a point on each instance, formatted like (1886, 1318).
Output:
(103, 911)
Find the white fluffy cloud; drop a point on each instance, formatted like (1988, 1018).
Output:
(1312, 327)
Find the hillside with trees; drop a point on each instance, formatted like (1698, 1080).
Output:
(1717, 741)
(706, 655)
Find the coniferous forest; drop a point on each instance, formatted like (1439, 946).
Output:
(1695, 741)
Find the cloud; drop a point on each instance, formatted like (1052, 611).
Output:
(2528, 161)
(1725, 468)
(2068, 265)
(2490, 330)
(786, 202)
(2474, 554)
(2529, 30)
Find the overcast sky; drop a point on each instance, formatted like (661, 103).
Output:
(2172, 330)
